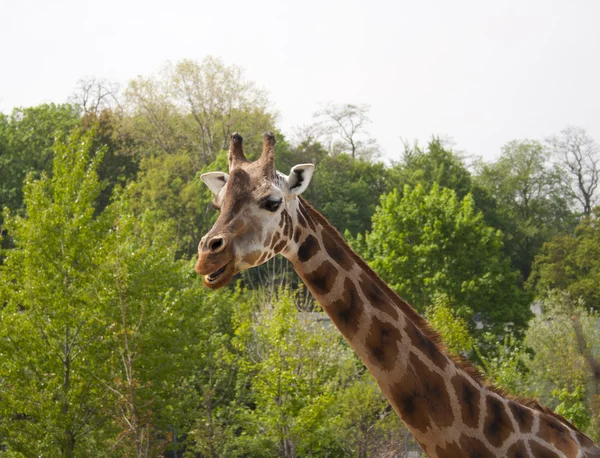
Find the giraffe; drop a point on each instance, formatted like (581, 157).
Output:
(445, 403)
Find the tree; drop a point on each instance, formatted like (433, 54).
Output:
(551, 364)
(579, 156)
(346, 191)
(346, 124)
(195, 107)
(436, 164)
(94, 95)
(120, 162)
(26, 146)
(571, 263)
(169, 187)
(298, 365)
(93, 357)
(363, 423)
(531, 201)
(454, 330)
(427, 244)
(52, 328)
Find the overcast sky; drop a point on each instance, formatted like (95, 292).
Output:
(479, 72)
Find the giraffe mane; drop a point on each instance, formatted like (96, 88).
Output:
(424, 326)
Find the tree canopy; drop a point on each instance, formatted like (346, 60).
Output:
(111, 346)
(426, 244)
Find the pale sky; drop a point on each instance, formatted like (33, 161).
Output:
(480, 72)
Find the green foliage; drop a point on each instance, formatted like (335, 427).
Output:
(437, 164)
(572, 406)
(571, 263)
(299, 366)
(111, 346)
(363, 423)
(26, 139)
(507, 366)
(453, 329)
(94, 359)
(532, 202)
(193, 107)
(552, 362)
(346, 190)
(168, 187)
(425, 244)
(51, 326)
(120, 163)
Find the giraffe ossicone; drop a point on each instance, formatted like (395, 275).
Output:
(446, 404)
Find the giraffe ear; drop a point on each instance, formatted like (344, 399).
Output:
(215, 180)
(299, 178)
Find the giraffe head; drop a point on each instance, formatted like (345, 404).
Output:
(255, 201)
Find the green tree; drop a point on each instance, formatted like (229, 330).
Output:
(363, 423)
(426, 167)
(532, 203)
(141, 292)
(94, 361)
(120, 162)
(571, 263)
(298, 365)
(194, 107)
(425, 244)
(26, 146)
(51, 325)
(454, 330)
(346, 191)
(563, 339)
(169, 187)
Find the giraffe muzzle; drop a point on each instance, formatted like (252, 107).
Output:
(221, 276)
(215, 275)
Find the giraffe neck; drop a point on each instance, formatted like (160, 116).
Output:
(443, 402)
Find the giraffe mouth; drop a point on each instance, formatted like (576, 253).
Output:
(220, 277)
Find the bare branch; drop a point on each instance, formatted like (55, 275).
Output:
(578, 155)
(94, 95)
(345, 125)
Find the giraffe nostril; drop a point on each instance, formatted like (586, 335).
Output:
(216, 244)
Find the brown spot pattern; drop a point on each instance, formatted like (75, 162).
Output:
(347, 311)
(308, 248)
(517, 450)
(377, 298)
(522, 415)
(287, 225)
(282, 220)
(382, 344)
(301, 219)
(310, 221)
(429, 348)
(263, 257)
(422, 397)
(468, 399)
(336, 251)
(280, 246)
(274, 239)
(539, 451)
(557, 434)
(497, 426)
(449, 451)
(297, 234)
(322, 279)
(584, 440)
(474, 448)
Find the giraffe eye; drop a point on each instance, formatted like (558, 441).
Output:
(272, 205)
